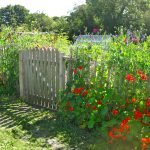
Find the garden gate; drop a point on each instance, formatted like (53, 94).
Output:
(42, 74)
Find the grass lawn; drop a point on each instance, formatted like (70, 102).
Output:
(24, 127)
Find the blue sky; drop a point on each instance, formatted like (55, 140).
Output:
(49, 7)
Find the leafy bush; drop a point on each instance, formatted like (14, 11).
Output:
(109, 90)
(11, 42)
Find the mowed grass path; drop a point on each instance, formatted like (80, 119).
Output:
(24, 127)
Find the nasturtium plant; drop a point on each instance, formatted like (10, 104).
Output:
(109, 90)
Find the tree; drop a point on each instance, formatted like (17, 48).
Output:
(80, 21)
(115, 13)
(147, 21)
(13, 15)
(60, 24)
(40, 22)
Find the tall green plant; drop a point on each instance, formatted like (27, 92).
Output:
(11, 42)
(113, 95)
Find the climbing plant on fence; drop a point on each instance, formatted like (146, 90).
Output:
(11, 42)
(110, 91)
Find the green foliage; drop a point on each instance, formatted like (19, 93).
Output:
(11, 43)
(13, 15)
(39, 22)
(108, 16)
(118, 13)
(110, 95)
(18, 16)
(147, 21)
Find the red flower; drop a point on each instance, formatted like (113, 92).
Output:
(128, 118)
(113, 135)
(147, 113)
(137, 115)
(139, 72)
(115, 112)
(133, 100)
(147, 102)
(87, 105)
(94, 108)
(144, 77)
(99, 102)
(78, 90)
(123, 129)
(145, 140)
(84, 93)
(80, 67)
(124, 123)
(129, 77)
(110, 134)
(75, 71)
(71, 108)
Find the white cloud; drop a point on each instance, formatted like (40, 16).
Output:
(50, 7)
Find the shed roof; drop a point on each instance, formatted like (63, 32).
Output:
(92, 38)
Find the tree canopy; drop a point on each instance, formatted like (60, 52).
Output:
(13, 15)
(115, 13)
(106, 15)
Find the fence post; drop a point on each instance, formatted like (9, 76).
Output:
(61, 72)
(21, 74)
(70, 65)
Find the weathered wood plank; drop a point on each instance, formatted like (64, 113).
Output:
(49, 76)
(21, 74)
(57, 78)
(37, 51)
(53, 78)
(26, 75)
(30, 83)
(44, 77)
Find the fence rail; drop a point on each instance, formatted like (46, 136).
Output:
(42, 74)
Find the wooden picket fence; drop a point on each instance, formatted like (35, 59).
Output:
(43, 74)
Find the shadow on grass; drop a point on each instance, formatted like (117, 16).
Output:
(41, 123)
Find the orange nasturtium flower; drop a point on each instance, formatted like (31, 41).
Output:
(71, 108)
(147, 102)
(145, 142)
(99, 102)
(129, 77)
(115, 112)
(133, 100)
(144, 77)
(94, 108)
(137, 115)
(80, 67)
(139, 72)
(87, 105)
(75, 71)
(84, 93)
(78, 90)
